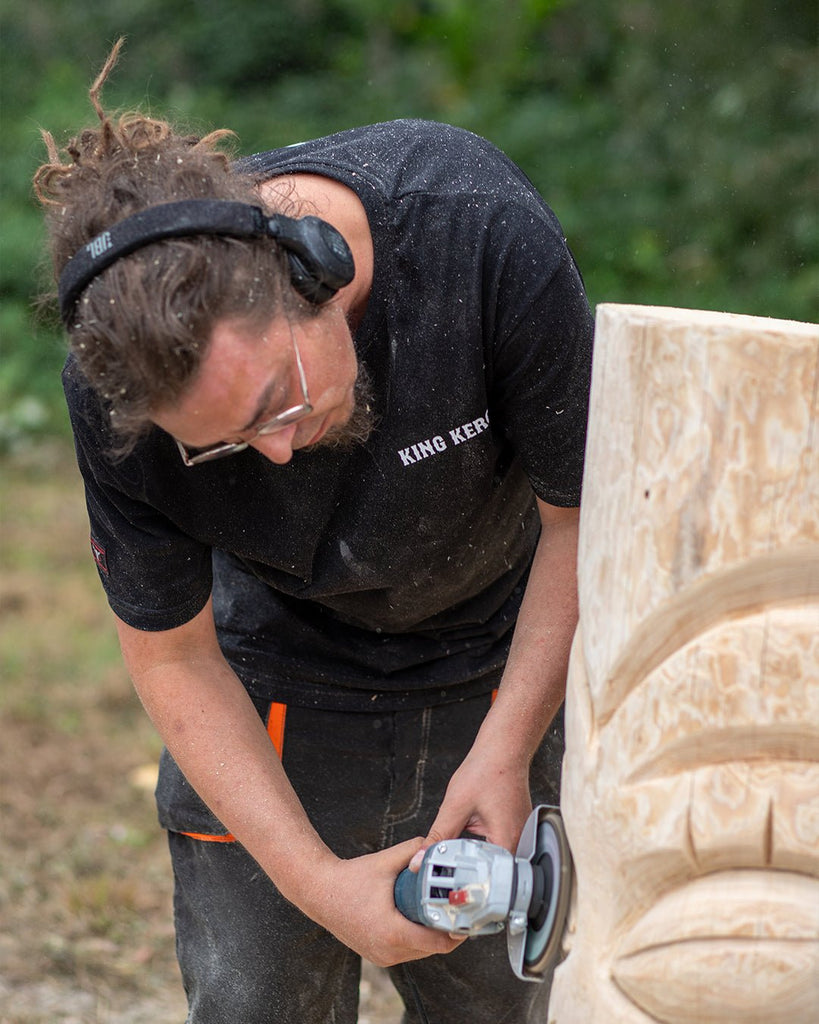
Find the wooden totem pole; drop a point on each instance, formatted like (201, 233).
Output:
(691, 779)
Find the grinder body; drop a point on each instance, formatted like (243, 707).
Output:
(472, 887)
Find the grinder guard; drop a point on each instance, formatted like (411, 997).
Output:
(536, 949)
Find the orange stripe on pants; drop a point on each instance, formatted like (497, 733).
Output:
(275, 726)
(226, 838)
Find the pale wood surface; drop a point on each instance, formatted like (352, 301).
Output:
(691, 780)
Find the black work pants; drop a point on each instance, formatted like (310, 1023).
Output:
(366, 781)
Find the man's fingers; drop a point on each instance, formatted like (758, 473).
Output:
(404, 853)
(445, 827)
(418, 858)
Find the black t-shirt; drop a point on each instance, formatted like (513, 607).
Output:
(388, 575)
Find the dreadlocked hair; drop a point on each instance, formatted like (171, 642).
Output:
(142, 327)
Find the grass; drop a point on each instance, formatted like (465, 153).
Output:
(85, 880)
(85, 890)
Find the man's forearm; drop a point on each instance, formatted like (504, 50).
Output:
(213, 731)
(534, 681)
(489, 794)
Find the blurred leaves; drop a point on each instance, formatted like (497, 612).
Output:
(678, 143)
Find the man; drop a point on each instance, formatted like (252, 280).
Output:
(329, 466)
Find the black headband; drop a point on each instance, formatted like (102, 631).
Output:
(319, 258)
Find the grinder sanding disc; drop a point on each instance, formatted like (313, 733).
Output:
(543, 937)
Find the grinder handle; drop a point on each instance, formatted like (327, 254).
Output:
(407, 893)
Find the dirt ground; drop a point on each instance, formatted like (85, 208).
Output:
(85, 887)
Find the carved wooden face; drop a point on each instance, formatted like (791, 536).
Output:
(691, 781)
(695, 829)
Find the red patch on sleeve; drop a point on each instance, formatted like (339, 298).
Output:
(98, 551)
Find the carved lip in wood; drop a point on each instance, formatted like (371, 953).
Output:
(673, 962)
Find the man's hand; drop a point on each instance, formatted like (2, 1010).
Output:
(488, 796)
(354, 900)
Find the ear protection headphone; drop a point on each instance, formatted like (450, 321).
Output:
(319, 258)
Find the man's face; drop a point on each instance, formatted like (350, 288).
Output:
(248, 376)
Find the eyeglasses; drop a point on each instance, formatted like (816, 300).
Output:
(195, 456)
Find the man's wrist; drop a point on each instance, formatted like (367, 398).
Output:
(513, 729)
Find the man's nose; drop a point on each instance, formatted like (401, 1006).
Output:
(277, 447)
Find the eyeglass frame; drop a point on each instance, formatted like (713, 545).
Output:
(272, 426)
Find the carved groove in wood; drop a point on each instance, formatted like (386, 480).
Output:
(691, 779)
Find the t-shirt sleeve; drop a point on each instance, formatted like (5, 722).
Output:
(155, 577)
(540, 367)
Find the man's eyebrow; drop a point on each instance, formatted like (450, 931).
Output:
(262, 405)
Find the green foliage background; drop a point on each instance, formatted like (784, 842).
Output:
(677, 142)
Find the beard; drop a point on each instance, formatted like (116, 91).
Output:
(361, 423)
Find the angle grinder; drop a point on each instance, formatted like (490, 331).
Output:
(473, 887)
